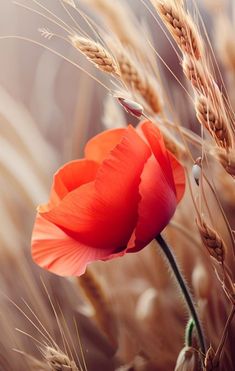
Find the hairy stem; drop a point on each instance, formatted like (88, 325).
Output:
(184, 289)
(189, 332)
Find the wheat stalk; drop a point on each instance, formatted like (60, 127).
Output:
(58, 361)
(103, 313)
(96, 54)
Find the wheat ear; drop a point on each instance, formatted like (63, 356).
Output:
(141, 82)
(214, 119)
(96, 54)
(212, 241)
(210, 105)
(58, 361)
(227, 159)
(180, 25)
(103, 313)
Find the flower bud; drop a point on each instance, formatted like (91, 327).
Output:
(135, 109)
(188, 360)
(196, 170)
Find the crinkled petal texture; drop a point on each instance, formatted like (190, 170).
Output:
(161, 188)
(116, 200)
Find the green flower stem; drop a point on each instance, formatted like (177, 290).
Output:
(189, 332)
(184, 289)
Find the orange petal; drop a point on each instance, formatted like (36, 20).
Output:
(156, 207)
(69, 177)
(171, 167)
(178, 175)
(98, 147)
(104, 213)
(156, 142)
(55, 251)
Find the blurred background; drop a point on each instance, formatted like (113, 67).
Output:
(48, 110)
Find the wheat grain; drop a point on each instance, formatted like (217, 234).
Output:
(58, 361)
(214, 119)
(96, 54)
(227, 159)
(180, 26)
(139, 80)
(197, 74)
(209, 102)
(212, 241)
(133, 108)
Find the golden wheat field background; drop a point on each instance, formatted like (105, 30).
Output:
(70, 69)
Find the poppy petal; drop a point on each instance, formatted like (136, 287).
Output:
(54, 250)
(103, 213)
(69, 177)
(171, 167)
(178, 175)
(156, 207)
(156, 142)
(98, 147)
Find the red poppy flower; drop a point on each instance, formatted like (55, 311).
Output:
(115, 200)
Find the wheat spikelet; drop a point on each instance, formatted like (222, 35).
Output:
(197, 74)
(214, 119)
(212, 241)
(138, 80)
(227, 159)
(58, 361)
(209, 102)
(95, 53)
(180, 26)
(97, 298)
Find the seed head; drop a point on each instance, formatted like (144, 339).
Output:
(212, 241)
(135, 109)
